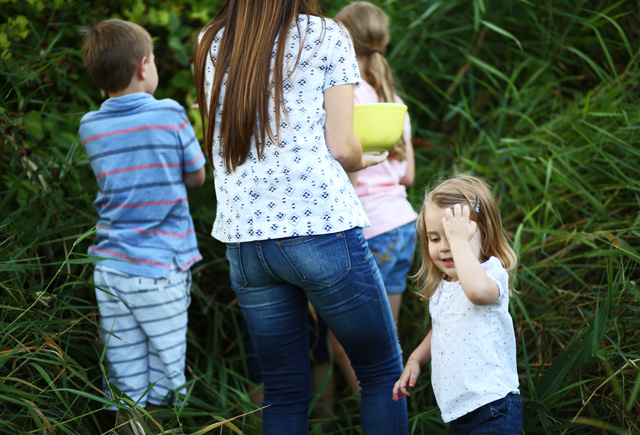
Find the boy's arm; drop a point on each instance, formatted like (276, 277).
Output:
(461, 234)
(193, 169)
(409, 377)
(194, 179)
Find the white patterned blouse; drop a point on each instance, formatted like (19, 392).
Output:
(297, 188)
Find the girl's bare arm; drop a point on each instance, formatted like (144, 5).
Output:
(409, 377)
(463, 239)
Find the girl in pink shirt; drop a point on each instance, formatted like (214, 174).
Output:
(381, 188)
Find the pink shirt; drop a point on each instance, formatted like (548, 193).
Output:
(382, 196)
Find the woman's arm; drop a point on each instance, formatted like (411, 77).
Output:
(338, 130)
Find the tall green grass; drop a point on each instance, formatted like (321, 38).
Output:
(540, 98)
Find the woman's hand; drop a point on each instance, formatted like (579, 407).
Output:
(373, 159)
(367, 160)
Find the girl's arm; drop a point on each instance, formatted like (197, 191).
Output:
(409, 175)
(353, 177)
(464, 242)
(409, 377)
(338, 130)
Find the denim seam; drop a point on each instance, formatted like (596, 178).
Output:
(263, 262)
(297, 240)
(345, 246)
(245, 281)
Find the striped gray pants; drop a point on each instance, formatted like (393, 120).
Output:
(143, 330)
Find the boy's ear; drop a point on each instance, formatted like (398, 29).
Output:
(140, 68)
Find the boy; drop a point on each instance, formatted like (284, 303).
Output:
(144, 154)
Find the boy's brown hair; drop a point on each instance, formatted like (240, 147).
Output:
(111, 51)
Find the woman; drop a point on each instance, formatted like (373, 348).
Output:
(277, 81)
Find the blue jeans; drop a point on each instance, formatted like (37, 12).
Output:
(273, 279)
(318, 336)
(393, 252)
(500, 417)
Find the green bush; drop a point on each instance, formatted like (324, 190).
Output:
(537, 97)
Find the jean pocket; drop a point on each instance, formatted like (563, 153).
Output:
(236, 272)
(382, 246)
(320, 260)
(499, 408)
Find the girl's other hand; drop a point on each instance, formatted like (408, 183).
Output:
(408, 379)
(457, 225)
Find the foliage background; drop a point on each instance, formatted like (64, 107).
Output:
(540, 98)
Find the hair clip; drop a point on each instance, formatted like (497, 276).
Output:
(476, 208)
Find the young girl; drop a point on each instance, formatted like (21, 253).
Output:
(466, 273)
(381, 188)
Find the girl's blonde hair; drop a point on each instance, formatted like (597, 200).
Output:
(369, 29)
(465, 189)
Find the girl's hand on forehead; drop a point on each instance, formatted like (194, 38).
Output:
(457, 225)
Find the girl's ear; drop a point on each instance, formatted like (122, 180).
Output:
(141, 68)
(483, 240)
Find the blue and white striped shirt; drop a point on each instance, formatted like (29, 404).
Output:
(139, 148)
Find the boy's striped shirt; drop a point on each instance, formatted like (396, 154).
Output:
(139, 148)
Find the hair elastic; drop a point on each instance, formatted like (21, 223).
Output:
(476, 208)
(375, 50)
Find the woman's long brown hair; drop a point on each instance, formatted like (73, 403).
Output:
(251, 28)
